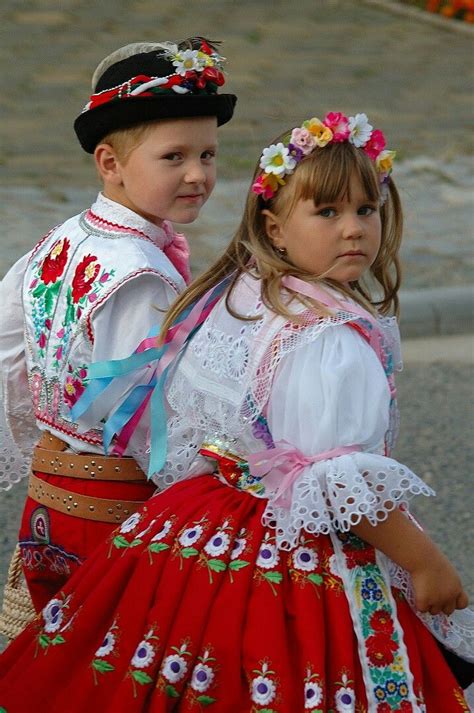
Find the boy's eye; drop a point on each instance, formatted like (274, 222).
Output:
(208, 155)
(327, 212)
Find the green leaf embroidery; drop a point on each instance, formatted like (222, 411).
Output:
(275, 577)
(102, 666)
(58, 640)
(171, 691)
(44, 641)
(238, 564)
(189, 552)
(38, 291)
(136, 542)
(158, 546)
(206, 700)
(315, 579)
(120, 542)
(216, 565)
(3, 710)
(141, 677)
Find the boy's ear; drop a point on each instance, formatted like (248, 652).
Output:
(107, 164)
(273, 229)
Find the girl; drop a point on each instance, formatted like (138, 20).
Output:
(151, 124)
(278, 570)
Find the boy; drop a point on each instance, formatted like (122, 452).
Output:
(92, 288)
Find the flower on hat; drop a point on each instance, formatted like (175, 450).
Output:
(188, 61)
(322, 133)
(303, 140)
(339, 125)
(360, 130)
(277, 159)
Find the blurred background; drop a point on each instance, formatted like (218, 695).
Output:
(287, 61)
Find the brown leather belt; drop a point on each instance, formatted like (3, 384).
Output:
(77, 505)
(49, 456)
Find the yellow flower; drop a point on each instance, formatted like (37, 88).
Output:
(384, 161)
(322, 134)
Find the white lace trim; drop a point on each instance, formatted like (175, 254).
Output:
(337, 494)
(456, 631)
(15, 455)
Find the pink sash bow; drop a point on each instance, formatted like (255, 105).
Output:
(281, 465)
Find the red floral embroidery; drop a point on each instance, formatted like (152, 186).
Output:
(380, 648)
(384, 708)
(360, 558)
(86, 273)
(55, 261)
(381, 622)
(406, 707)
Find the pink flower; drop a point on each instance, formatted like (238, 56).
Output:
(92, 297)
(104, 277)
(303, 139)
(42, 340)
(59, 353)
(339, 125)
(33, 283)
(262, 188)
(375, 145)
(47, 323)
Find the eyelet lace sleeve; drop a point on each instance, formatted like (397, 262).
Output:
(330, 393)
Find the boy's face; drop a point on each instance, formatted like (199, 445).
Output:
(171, 174)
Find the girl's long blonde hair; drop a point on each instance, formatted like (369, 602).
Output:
(324, 175)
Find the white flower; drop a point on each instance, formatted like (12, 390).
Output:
(360, 129)
(131, 522)
(277, 159)
(238, 547)
(268, 556)
(313, 694)
(345, 700)
(190, 535)
(144, 654)
(333, 567)
(263, 690)
(174, 668)
(202, 677)
(218, 544)
(52, 615)
(107, 645)
(163, 532)
(188, 61)
(305, 559)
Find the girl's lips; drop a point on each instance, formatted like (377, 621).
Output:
(353, 253)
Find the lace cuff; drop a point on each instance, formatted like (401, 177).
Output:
(336, 494)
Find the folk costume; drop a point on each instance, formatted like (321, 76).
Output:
(91, 290)
(239, 587)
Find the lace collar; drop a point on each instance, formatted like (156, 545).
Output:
(111, 217)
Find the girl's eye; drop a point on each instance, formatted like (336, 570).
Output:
(175, 156)
(327, 212)
(366, 210)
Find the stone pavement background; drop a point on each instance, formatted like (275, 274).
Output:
(287, 61)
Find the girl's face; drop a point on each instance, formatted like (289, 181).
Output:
(339, 240)
(171, 174)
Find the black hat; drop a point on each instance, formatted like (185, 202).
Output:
(161, 84)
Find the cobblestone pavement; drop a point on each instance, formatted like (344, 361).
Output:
(287, 61)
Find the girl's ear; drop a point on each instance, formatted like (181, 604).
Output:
(108, 164)
(273, 229)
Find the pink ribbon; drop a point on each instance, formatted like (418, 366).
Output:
(281, 465)
(177, 252)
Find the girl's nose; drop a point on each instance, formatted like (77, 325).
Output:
(352, 228)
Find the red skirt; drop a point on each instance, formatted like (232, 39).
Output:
(190, 606)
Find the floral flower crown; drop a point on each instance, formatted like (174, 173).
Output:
(279, 160)
(197, 71)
